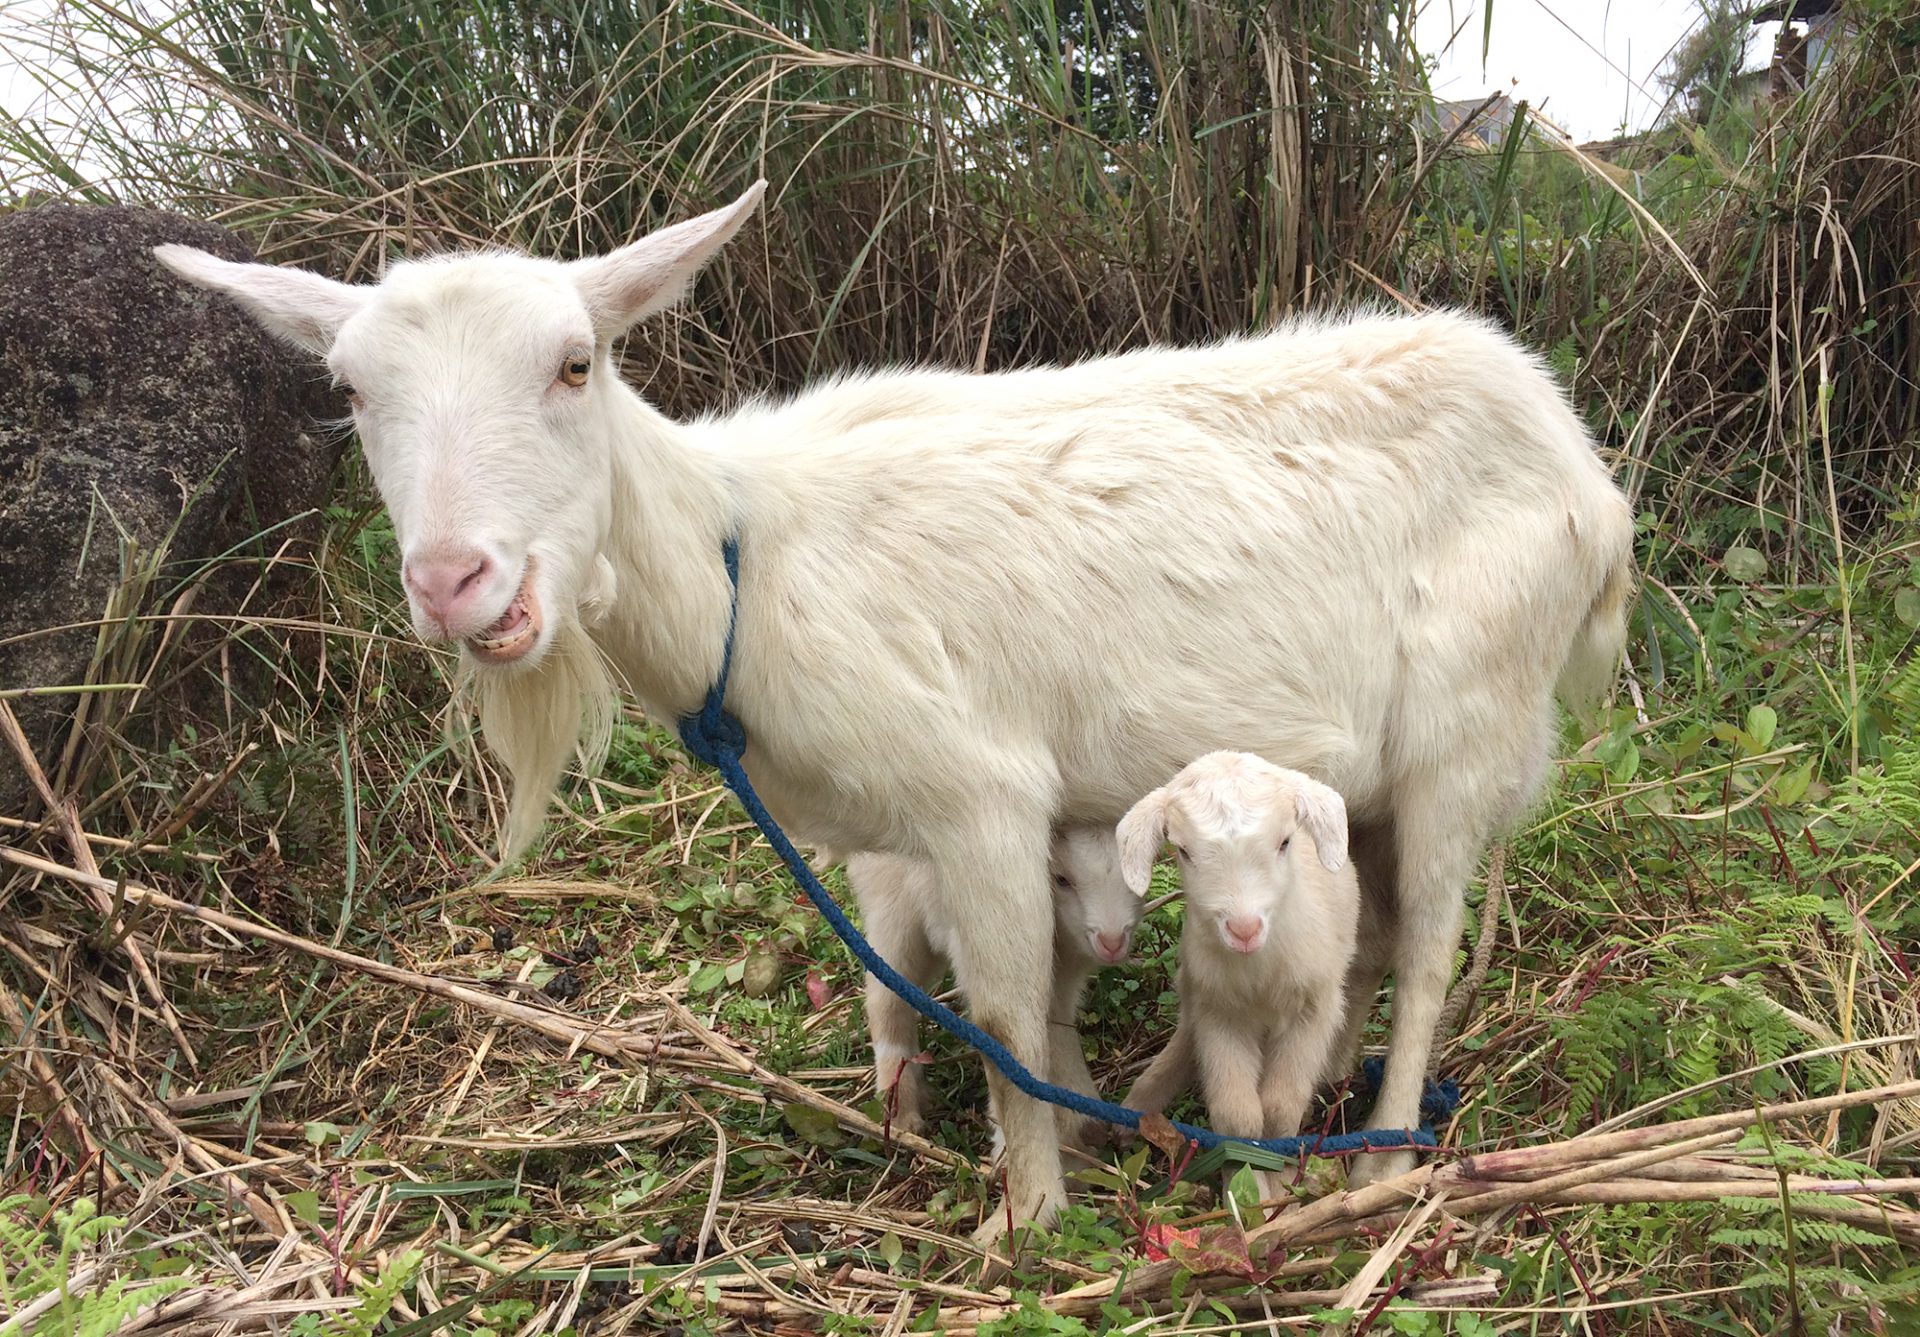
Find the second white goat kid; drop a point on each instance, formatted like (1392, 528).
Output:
(1272, 911)
(972, 608)
(1095, 913)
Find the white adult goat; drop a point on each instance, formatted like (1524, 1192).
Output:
(972, 607)
(908, 923)
(1272, 914)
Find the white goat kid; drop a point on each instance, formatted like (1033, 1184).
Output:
(1272, 910)
(975, 607)
(907, 922)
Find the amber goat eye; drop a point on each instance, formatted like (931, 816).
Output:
(574, 371)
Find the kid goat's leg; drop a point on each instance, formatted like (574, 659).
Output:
(1295, 1056)
(1067, 1062)
(1170, 1073)
(898, 933)
(998, 897)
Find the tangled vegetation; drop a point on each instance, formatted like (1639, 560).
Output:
(621, 1086)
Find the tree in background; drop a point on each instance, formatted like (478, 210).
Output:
(1701, 71)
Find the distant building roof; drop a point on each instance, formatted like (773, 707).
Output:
(1490, 119)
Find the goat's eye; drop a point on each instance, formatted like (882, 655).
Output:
(574, 370)
(1283, 844)
(353, 395)
(1181, 850)
(1062, 882)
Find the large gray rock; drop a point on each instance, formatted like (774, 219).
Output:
(125, 395)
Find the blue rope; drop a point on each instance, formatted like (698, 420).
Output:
(717, 738)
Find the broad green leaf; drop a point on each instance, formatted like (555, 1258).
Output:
(1906, 605)
(1743, 564)
(890, 1249)
(1761, 722)
(815, 1126)
(1627, 765)
(1792, 786)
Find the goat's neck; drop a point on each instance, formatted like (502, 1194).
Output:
(672, 509)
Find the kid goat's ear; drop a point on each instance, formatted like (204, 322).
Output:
(648, 276)
(1140, 834)
(304, 308)
(1324, 814)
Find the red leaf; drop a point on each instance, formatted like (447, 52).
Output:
(1159, 1240)
(819, 992)
(1213, 1249)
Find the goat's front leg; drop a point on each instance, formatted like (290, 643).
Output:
(998, 898)
(1296, 1055)
(1229, 1061)
(1169, 1074)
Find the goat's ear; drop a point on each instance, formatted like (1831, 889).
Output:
(1141, 833)
(1324, 814)
(303, 308)
(650, 275)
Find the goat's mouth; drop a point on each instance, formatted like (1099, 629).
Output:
(515, 632)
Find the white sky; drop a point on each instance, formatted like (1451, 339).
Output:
(1589, 65)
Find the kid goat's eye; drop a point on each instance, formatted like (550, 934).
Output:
(353, 395)
(1062, 881)
(1180, 850)
(1283, 844)
(574, 370)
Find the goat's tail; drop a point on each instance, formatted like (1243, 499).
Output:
(1595, 656)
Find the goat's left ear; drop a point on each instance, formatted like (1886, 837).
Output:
(648, 276)
(304, 308)
(1140, 834)
(1324, 814)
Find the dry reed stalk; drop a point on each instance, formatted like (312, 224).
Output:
(1537, 1174)
(105, 894)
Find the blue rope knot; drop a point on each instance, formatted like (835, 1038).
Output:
(715, 737)
(711, 734)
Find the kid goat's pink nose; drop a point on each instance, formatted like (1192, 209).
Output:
(1112, 946)
(445, 584)
(1245, 931)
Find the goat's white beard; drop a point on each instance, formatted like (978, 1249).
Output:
(535, 720)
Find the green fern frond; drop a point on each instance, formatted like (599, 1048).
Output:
(105, 1311)
(376, 1298)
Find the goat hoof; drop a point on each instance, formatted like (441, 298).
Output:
(992, 1234)
(1378, 1168)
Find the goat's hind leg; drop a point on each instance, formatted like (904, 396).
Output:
(1439, 838)
(998, 898)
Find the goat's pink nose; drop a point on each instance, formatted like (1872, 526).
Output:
(444, 583)
(1112, 946)
(1245, 930)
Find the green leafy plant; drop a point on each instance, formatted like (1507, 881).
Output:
(43, 1291)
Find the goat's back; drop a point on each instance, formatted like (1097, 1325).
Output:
(1347, 546)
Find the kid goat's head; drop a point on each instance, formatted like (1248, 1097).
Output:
(481, 388)
(1234, 819)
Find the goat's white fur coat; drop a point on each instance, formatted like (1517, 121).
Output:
(975, 606)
